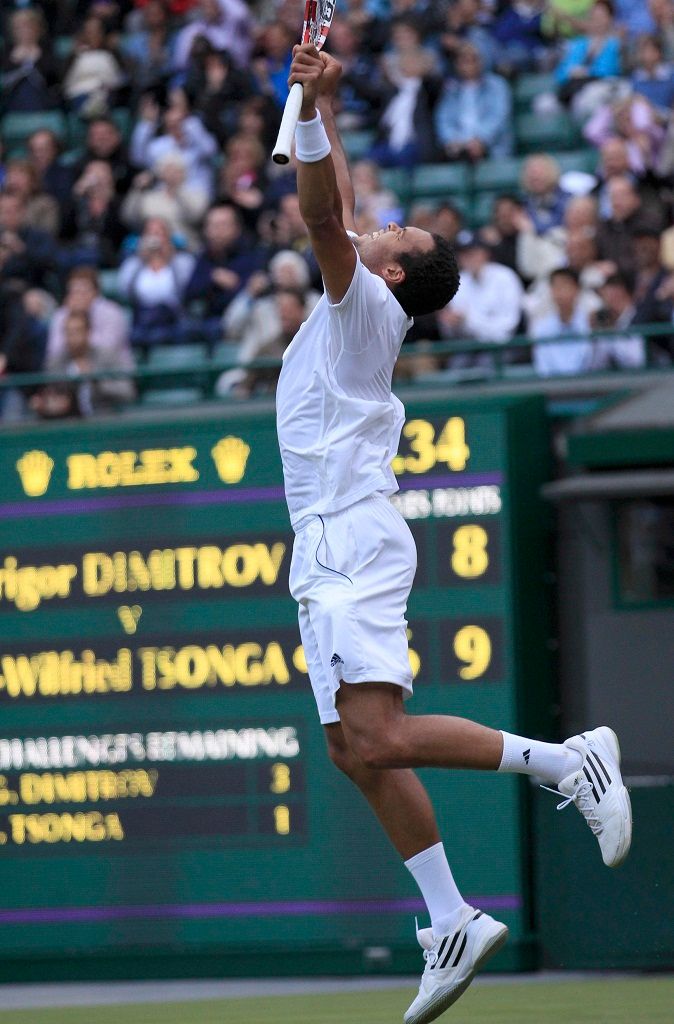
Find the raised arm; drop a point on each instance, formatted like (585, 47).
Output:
(327, 90)
(320, 199)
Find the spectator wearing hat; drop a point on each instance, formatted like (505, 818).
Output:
(488, 304)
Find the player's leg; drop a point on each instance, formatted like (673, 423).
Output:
(403, 807)
(586, 768)
(382, 735)
(461, 939)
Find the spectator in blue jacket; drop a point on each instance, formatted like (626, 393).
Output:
(473, 118)
(462, 26)
(517, 32)
(653, 78)
(222, 269)
(594, 55)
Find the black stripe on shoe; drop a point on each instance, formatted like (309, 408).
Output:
(451, 948)
(589, 779)
(603, 767)
(440, 951)
(475, 916)
(461, 949)
(596, 772)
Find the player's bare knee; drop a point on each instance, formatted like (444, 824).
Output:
(379, 748)
(341, 755)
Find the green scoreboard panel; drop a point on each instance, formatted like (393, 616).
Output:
(165, 796)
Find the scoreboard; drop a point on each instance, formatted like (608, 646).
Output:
(165, 796)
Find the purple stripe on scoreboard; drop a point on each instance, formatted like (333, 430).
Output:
(289, 908)
(235, 496)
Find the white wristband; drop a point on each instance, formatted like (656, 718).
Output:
(311, 141)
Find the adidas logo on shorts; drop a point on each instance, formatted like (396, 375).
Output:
(336, 660)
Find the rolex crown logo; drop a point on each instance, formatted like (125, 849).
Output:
(230, 455)
(35, 469)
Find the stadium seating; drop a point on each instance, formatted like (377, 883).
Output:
(528, 87)
(578, 160)
(166, 397)
(16, 128)
(502, 175)
(225, 352)
(192, 357)
(399, 181)
(546, 132)
(357, 144)
(482, 208)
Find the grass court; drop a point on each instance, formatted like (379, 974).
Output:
(642, 1000)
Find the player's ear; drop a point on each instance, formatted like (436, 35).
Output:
(393, 274)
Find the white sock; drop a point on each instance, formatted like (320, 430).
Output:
(549, 761)
(438, 888)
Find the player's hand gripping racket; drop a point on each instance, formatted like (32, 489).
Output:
(317, 20)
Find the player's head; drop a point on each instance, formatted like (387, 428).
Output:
(419, 267)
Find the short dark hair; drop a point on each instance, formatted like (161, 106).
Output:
(568, 272)
(619, 280)
(431, 278)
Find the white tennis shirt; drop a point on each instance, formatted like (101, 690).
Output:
(338, 423)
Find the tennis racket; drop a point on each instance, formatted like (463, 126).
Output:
(317, 20)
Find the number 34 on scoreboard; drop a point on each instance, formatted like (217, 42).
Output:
(425, 446)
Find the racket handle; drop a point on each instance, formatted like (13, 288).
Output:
(286, 133)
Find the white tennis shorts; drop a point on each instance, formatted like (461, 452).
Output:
(351, 573)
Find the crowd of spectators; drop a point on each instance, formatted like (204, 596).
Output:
(141, 208)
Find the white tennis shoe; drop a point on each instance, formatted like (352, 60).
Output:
(598, 792)
(452, 962)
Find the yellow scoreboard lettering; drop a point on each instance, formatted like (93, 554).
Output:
(158, 736)
(470, 558)
(280, 778)
(428, 448)
(282, 819)
(132, 468)
(472, 646)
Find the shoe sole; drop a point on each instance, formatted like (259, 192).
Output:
(612, 743)
(447, 998)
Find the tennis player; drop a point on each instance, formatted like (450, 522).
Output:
(354, 558)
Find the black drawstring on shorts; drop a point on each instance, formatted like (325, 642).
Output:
(328, 567)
